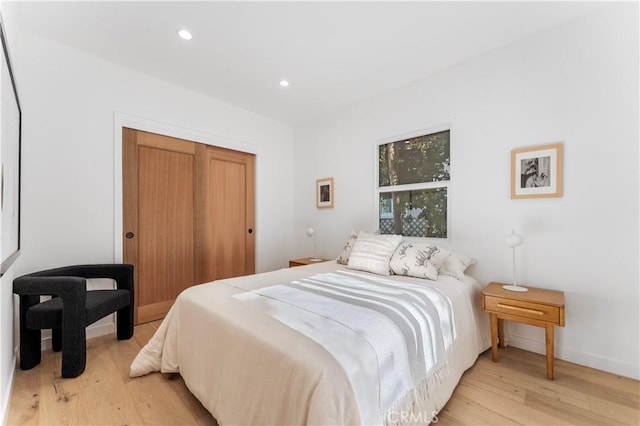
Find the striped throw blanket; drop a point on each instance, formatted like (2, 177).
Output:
(390, 341)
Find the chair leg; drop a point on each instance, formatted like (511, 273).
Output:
(124, 323)
(56, 339)
(30, 350)
(74, 350)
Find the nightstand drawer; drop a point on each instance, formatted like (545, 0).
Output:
(524, 309)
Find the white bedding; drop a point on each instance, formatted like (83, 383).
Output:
(290, 347)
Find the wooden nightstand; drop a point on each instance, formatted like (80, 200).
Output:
(304, 261)
(543, 308)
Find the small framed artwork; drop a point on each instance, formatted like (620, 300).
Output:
(536, 171)
(324, 193)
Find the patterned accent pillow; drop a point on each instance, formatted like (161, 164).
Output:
(371, 253)
(420, 260)
(343, 259)
(455, 265)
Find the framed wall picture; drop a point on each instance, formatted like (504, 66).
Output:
(324, 193)
(10, 124)
(536, 172)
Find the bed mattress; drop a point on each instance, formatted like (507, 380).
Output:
(321, 344)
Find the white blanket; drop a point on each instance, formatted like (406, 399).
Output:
(299, 347)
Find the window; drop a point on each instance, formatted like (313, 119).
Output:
(413, 183)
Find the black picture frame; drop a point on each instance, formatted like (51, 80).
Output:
(10, 159)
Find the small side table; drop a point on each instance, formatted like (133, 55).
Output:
(539, 307)
(304, 261)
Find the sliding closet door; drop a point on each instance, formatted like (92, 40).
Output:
(158, 218)
(225, 237)
(188, 216)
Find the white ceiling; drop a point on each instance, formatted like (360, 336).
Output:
(333, 53)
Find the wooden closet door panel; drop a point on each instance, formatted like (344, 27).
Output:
(227, 208)
(130, 207)
(158, 214)
(189, 212)
(229, 238)
(165, 235)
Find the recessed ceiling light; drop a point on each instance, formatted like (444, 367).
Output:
(284, 83)
(185, 35)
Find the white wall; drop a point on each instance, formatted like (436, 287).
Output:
(69, 102)
(577, 84)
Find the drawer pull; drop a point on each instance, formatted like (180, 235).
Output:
(517, 308)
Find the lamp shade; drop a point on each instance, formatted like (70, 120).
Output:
(310, 232)
(514, 240)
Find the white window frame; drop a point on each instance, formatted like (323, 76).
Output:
(413, 186)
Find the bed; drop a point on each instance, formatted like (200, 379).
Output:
(321, 344)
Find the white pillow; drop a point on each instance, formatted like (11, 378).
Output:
(455, 265)
(417, 259)
(371, 253)
(346, 250)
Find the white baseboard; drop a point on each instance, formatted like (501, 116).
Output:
(92, 331)
(7, 395)
(577, 357)
(100, 330)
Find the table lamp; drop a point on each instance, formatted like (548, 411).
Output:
(513, 241)
(312, 233)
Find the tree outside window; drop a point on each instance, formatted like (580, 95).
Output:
(413, 182)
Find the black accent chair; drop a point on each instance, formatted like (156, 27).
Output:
(71, 310)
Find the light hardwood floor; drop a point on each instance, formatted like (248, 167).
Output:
(512, 391)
